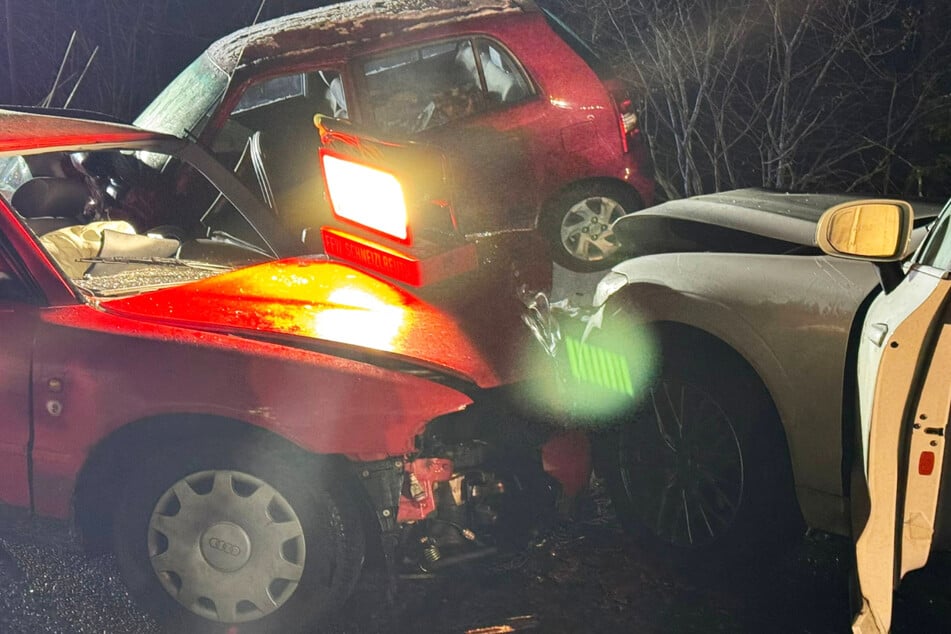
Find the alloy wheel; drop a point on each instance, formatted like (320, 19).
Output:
(681, 465)
(586, 228)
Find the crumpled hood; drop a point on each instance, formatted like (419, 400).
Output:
(305, 300)
(780, 216)
(739, 221)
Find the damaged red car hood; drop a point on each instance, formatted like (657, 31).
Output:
(298, 300)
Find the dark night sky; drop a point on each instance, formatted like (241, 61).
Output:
(142, 45)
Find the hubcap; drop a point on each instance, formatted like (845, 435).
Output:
(586, 229)
(226, 546)
(682, 466)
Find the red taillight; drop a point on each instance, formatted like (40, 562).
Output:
(624, 145)
(926, 463)
(366, 196)
(627, 120)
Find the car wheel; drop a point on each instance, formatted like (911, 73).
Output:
(578, 225)
(699, 467)
(214, 535)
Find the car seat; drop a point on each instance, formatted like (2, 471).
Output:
(50, 202)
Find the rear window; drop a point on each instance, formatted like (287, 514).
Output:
(601, 68)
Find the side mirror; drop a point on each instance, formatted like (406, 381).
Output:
(872, 230)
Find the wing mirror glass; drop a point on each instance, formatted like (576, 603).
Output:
(874, 230)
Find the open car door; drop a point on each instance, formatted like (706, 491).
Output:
(904, 450)
(904, 397)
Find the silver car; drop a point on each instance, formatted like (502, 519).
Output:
(719, 354)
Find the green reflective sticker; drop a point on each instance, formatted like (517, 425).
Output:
(591, 364)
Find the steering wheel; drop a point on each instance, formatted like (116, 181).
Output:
(106, 190)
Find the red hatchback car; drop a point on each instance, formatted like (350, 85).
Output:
(538, 133)
(240, 429)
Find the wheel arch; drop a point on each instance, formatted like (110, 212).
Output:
(666, 311)
(699, 342)
(113, 458)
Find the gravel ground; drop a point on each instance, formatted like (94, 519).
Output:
(584, 576)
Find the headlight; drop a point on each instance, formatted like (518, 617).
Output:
(609, 285)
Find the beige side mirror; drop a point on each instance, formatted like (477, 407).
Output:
(873, 230)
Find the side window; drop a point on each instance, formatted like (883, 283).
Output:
(282, 108)
(504, 82)
(271, 91)
(416, 89)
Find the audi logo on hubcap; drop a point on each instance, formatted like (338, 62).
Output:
(226, 547)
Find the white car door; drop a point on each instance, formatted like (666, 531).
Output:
(904, 401)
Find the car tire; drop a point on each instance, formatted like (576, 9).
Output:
(720, 491)
(578, 223)
(230, 535)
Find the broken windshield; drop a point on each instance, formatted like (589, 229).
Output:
(183, 107)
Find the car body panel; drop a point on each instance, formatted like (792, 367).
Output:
(19, 132)
(926, 453)
(307, 397)
(18, 328)
(732, 297)
(910, 397)
(324, 301)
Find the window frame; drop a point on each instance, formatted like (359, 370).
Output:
(937, 240)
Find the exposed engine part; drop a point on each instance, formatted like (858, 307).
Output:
(431, 553)
(422, 475)
(383, 482)
(482, 480)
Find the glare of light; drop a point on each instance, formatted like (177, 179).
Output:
(368, 320)
(367, 196)
(559, 103)
(594, 382)
(598, 366)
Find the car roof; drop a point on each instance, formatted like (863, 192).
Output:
(347, 24)
(23, 132)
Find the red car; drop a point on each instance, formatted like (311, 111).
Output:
(241, 429)
(540, 135)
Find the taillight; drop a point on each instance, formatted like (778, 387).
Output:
(627, 120)
(366, 196)
(624, 145)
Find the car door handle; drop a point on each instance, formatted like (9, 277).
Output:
(876, 333)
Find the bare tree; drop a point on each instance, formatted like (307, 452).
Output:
(789, 94)
(11, 48)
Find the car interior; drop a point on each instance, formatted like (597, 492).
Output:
(102, 214)
(271, 141)
(417, 89)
